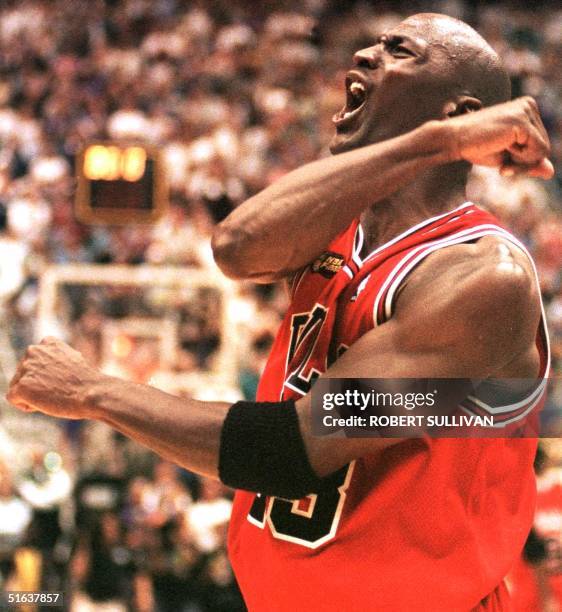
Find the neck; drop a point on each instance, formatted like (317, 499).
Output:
(432, 194)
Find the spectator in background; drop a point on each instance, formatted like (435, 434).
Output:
(165, 498)
(46, 487)
(102, 569)
(208, 517)
(15, 517)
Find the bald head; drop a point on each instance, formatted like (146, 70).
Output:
(474, 68)
(425, 68)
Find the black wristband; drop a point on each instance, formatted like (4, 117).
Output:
(262, 450)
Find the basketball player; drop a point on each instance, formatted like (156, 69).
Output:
(387, 262)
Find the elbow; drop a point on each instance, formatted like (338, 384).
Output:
(228, 252)
(241, 255)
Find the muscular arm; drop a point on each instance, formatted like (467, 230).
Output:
(288, 224)
(483, 327)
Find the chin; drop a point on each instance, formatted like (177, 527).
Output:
(364, 135)
(336, 145)
(341, 143)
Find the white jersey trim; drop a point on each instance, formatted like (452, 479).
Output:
(508, 407)
(426, 249)
(358, 246)
(459, 237)
(416, 255)
(413, 229)
(517, 417)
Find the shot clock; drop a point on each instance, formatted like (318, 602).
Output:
(120, 184)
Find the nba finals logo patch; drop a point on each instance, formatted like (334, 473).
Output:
(328, 264)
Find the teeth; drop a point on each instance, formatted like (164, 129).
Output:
(356, 94)
(356, 87)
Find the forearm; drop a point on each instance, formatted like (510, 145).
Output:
(184, 431)
(270, 234)
(188, 432)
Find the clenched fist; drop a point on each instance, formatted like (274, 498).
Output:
(54, 379)
(509, 136)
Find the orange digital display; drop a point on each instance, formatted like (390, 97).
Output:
(120, 184)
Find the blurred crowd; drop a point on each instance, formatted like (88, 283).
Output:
(235, 94)
(113, 539)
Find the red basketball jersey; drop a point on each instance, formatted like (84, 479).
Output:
(425, 524)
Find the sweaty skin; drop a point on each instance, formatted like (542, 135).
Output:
(56, 380)
(392, 169)
(387, 158)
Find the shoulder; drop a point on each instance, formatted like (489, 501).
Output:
(490, 269)
(484, 292)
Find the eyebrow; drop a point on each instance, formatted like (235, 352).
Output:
(396, 37)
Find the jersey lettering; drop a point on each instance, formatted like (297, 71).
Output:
(305, 331)
(310, 521)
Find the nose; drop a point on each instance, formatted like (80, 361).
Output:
(367, 58)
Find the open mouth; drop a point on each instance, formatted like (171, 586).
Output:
(356, 96)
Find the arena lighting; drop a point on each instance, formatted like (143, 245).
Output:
(110, 163)
(120, 183)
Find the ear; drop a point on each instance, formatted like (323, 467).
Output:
(462, 105)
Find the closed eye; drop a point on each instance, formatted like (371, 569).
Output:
(394, 46)
(400, 49)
